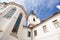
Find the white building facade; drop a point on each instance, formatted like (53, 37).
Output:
(49, 29)
(12, 19)
(12, 25)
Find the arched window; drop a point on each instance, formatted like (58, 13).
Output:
(34, 19)
(10, 13)
(16, 26)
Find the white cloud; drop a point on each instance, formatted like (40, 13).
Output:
(58, 6)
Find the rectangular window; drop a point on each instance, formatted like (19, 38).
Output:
(29, 33)
(45, 29)
(35, 32)
(56, 23)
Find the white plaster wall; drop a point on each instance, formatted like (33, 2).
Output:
(10, 37)
(8, 28)
(3, 23)
(24, 35)
(53, 32)
(52, 37)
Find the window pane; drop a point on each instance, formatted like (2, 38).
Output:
(16, 26)
(29, 34)
(56, 23)
(10, 13)
(33, 19)
(35, 32)
(45, 28)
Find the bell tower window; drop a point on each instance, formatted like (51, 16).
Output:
(33, 19)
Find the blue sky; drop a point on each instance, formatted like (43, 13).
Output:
(42, 8)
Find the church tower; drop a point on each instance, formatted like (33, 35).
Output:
(33, 19)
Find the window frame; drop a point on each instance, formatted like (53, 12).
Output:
(35, 32)
(34, 19)
(15, 34)
(56, 23)
(10, 13)
(29, 34)
(45, 29)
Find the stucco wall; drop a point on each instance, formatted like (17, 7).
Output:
(8, 28)
(30, 20)
(24, 35)
(53, 32)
